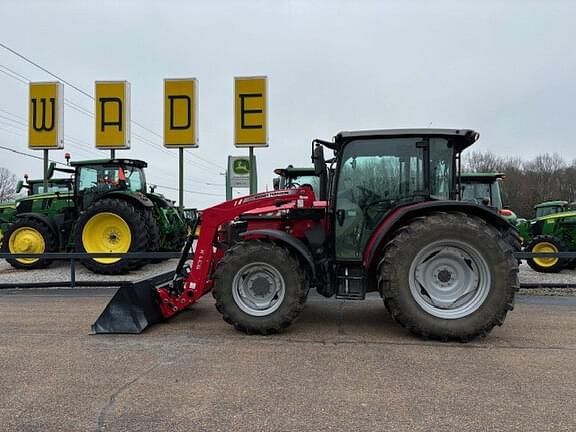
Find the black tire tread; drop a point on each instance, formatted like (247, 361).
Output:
(239, 254)
(390, 263)
(153, 232)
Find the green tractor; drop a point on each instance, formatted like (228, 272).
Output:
(550, 207)
(552, 230)
(34, 187)
(7, 214)
(107, 210)
(291, 177)
(484, 189)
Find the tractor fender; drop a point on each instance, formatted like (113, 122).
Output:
(42, 218)
(289, 240)
(401, 215)
(138, 199)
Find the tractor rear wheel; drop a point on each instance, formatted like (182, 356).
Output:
(546, 243)
(153, 232)
(448, 276)
(259, 287)
(29, 235)
(111, 225)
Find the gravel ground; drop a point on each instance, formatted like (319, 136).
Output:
(60, 271)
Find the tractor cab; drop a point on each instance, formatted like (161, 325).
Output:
(550, 207)
(293, 177)
(380, 171)
(482, 188)
(95, 178)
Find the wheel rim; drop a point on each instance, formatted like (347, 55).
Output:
(258, 289)
(106, 232)
(449, 279)
(26, 240)
(545, 247)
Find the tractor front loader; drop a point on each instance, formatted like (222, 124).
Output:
(390, 224)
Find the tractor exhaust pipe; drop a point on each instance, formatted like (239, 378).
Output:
(134, 307)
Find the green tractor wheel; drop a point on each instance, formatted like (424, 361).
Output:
(28, 235)
(113, 226)
(153, 232)
(546, 243)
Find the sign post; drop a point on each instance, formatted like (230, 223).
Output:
(181, 121)
(251, 118)
(46, 119)
(112, 115)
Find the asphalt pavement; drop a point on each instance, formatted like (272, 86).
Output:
(343, 366)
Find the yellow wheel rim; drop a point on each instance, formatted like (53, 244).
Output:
(26, 240)
(106, 232)
(545, 247)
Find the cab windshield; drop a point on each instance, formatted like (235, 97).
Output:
(482, 193)
(302, 180)
(379, 174)
(102, 178)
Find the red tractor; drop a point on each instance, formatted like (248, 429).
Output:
(389, 223)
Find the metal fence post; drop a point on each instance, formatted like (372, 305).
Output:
(72, 273)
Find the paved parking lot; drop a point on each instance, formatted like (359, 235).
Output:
(341, 366)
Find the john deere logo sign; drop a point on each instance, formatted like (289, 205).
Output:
(241, 167)
(239, 170)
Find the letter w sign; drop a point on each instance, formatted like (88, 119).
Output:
(45, 116)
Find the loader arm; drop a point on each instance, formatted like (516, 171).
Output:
(199, 282)
(136, 306)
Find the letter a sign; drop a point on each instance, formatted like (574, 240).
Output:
(251, 113)
(45, 116)
(180, 112)
(112, 115)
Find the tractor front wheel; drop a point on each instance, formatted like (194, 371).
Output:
(111, 226)
(448, 276)
(29, 235)
(546, 243)
(259, 287)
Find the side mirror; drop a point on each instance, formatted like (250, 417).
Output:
(318, 159)
(19, 186)
(276, 183)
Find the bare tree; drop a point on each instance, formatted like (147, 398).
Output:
(527, 183)
(7, 184)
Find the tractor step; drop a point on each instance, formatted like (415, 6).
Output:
(351, 283)
(134, 307)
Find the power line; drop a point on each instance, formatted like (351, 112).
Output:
(13, 72)
(89, 95)
(29, 155)
(45, 70)
(12, 76)
(85, 148)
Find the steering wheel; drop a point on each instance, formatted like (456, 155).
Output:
(293, 185)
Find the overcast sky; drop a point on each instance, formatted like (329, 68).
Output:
(504, 68)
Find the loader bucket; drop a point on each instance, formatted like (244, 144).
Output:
(133, 308)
